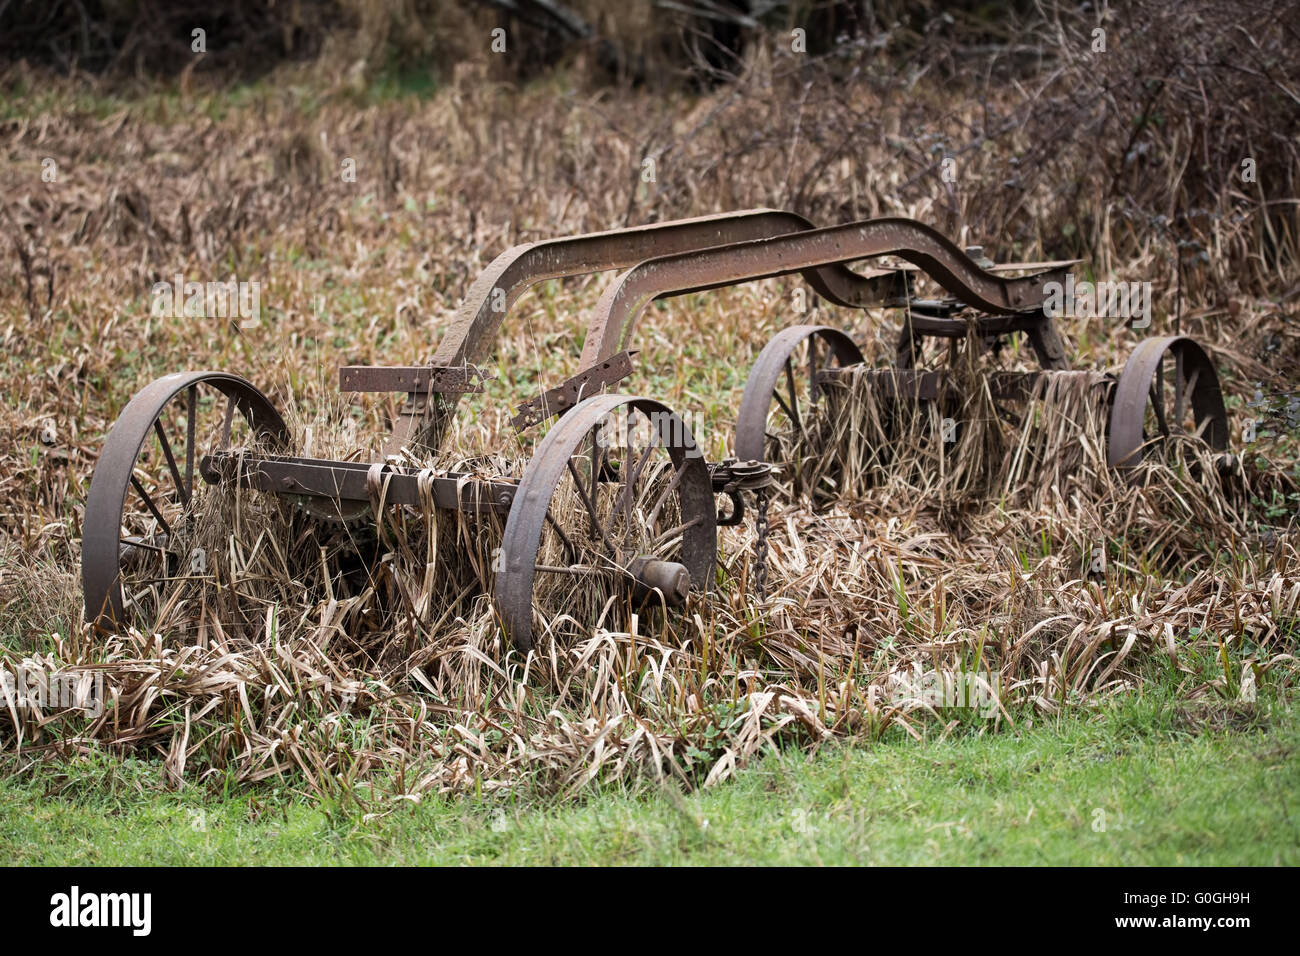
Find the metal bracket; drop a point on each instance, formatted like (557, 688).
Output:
(413, 379)
(560, 399)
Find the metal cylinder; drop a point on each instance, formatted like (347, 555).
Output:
(669, 578)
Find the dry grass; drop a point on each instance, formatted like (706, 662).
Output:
(979, 563)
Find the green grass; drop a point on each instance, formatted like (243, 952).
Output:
(1145, 783)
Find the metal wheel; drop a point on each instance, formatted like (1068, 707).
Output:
(782, 393)
(781, 396)
(147, 490)
(616, 505)
(1168, 387)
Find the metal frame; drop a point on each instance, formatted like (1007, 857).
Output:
(509, 274)
(505, 279)
(432, 391)
(665, 259)
(614, 320)
(358, 481)
(1015, 304)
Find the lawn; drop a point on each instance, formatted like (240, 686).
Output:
(1146, 783)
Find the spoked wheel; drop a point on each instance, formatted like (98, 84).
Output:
(147, 491)
(781, 394)
(616, 504)
(1168, 387)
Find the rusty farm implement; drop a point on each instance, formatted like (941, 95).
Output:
(632, 507)
(187, 432)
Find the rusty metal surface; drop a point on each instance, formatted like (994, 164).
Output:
(937, 320)
(650, 575)
(563, 397)
(497, 287)
(958, 327)
(614, 320)
(666, 259)
(513, 592)
(1142, 381)
(101, 531)
(413, 379)
(342, 481)
(1047, 265)
(772, 364)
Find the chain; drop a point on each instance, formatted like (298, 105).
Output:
(758, 477)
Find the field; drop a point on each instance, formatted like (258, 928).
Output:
(1138, 639)
(1147, 784)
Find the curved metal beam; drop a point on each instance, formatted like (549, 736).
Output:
(611, 327)
(513, 271)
